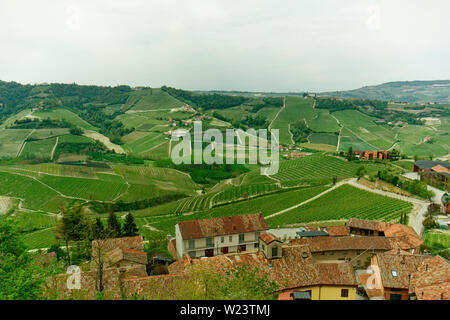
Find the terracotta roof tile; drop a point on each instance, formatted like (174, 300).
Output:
(268, 237)
(320, 244)
(198, 229)
(396, 269)
(336, 231)
(432, 280)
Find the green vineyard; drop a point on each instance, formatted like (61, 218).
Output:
(343, 203)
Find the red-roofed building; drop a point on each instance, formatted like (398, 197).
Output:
(211, 237)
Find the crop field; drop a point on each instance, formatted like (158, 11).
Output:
(60, 114)
(343, 203)
(11, 141)
(151, 99)
(44, 238)
(69, 138)
(321, 166)
(324, 138)
(33, 221)
(36, 195)
(146, 143)
(62, 170)
(87, 189)
(40, 134)
(412, 141)
(266, 205)
(15, 117)
(348, 139)
(164, 179)
(323, 122)
(364, 128)
(39, 148)
(296, 109)
(6, 203)
(437, 238)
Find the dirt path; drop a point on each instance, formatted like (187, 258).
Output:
(278, 113)
(105, 140)
(54, 148)
(24, 143)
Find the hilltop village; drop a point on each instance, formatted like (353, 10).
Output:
(361, 260)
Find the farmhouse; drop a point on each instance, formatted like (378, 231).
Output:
(372, 155)
(211, 237)
(435, 173)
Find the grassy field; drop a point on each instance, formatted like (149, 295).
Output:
(11, 141)
(151, 99)
(39, 148)
(323, 122)
(343, 203)
(437, 238)
(296, 109)
(324, 138)
(364, 128)
(60, 114)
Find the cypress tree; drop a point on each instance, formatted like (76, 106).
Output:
(130, 228)
(113, 228)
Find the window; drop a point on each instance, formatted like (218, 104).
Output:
(230, 239)
(256, 245)
(264, 247)
(344, 293)
(191, 244)
(192, 254)
(241, 238)
(222, 239)
(274, 251)
(394, 273)
(209, 242)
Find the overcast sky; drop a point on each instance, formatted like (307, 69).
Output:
(267, 45)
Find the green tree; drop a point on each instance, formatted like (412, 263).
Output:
(350, 154)
(21, 278)
(74, 225)
(113, 226)
(98, 229)
(130, 228)
(361, 172)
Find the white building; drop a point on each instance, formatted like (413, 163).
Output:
(211, 237)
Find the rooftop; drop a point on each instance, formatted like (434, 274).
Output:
(198, 229)
(432, 280)
(320, 244)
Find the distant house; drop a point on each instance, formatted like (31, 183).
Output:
(372, 155)
(211, 237)
(435, 173)
(123, 253)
